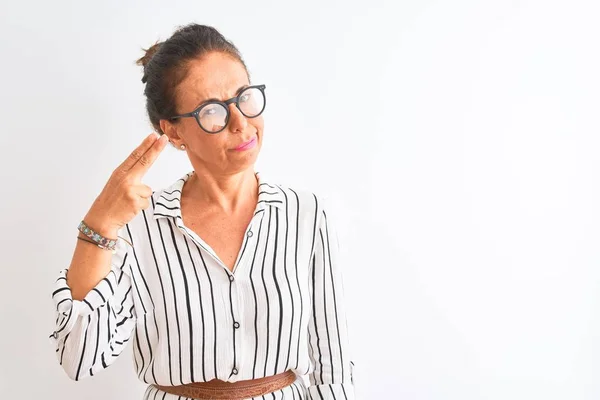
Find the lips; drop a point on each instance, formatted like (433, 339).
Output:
(247, 145)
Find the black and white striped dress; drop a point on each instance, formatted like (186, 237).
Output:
(193, 320)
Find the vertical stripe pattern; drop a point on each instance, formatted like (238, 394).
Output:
(191, 319)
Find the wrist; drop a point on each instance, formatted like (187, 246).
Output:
(103, 228)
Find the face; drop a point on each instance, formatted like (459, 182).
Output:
(215, 76)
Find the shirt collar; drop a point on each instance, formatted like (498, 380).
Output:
(169, 199)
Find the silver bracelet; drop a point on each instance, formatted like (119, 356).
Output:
(101, 241)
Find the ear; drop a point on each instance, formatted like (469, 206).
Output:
(170, 129)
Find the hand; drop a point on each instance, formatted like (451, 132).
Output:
(124, 195)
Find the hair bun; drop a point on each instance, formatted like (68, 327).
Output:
(145, 59)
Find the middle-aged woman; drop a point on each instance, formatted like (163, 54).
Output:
(228, 285)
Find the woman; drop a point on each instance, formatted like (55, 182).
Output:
(227, 284)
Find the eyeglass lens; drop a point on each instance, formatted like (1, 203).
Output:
(213, 117)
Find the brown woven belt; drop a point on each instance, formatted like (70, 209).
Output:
(221, 390)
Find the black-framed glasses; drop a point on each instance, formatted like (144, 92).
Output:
(213, 115)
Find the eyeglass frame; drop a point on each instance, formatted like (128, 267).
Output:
(225, 104)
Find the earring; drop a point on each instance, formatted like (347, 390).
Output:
(182, 147)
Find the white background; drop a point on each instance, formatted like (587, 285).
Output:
(459, 141)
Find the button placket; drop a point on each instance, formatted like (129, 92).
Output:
(248, 241)
(233, 294)
(236, 305)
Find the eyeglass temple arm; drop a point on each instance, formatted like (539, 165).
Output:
(190, 114)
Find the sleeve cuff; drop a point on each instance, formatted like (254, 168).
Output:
(68, 310)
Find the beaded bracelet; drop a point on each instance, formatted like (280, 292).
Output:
(94, 243)
(99, 240)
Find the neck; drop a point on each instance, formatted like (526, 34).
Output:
(225, 193)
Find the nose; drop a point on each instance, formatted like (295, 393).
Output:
(237, 121)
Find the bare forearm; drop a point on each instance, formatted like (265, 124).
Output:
(90, 264)
(120, 201)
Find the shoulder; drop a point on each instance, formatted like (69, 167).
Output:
(299, 194)
(305, 202)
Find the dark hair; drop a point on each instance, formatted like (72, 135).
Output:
(165, 65)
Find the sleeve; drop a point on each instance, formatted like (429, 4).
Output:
(90, 334)
(332, 375)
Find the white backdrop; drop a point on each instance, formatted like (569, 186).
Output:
(459, 141)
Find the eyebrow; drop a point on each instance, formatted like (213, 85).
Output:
(237, 92)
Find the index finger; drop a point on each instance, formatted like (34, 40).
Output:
(139, 151)
(144, 162)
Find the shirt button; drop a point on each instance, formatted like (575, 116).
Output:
(231, 278)
(236, 325)
(235, 371)
(250, 233)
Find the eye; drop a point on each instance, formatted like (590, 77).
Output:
(207, 112)
(245, 97)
